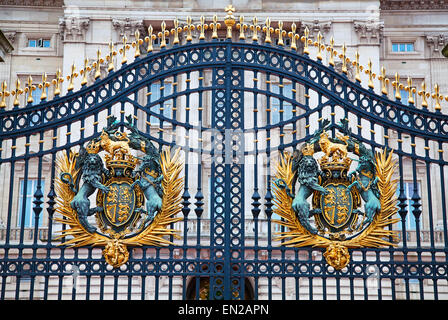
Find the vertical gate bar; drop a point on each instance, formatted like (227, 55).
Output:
(268, 196)
(255, 196)
(442, 190)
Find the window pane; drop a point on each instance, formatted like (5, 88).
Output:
(410, 47)
(395, 47)
(31, 43)
(402, 47)
(46, 44)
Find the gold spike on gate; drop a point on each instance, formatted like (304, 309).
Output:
(384, 81)
(189, 27)
(29, 89)
(436, 96)
(163, 34)
(280, 33)
(136, 44)
(294, 36)
(267, 29)
(150, 38)
(84, 71)
(371, 74)
(424, 94)
(410, 91)
(332, 52)
(73, 75)
(16, 93)
(358, 68)
(202, 26)
(242, 27)
(397, 86)
(343, 57)
(125, 47)
(45, 84)
(215, 25)
(319, 46)
(175, 31)
(110, 57)
(304, 39)
(56, 83)
(4, 94)
(255, 28)
(99, 61)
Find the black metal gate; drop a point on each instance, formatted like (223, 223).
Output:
(232, 107)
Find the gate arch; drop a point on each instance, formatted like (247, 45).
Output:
(231, 106)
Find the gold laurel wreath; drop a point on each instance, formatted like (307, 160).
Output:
(375, 235)
(155, 234)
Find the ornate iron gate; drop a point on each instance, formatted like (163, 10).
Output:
(232, 107)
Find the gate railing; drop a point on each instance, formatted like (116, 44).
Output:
(249, 75)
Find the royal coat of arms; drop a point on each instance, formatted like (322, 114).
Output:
(137, 198)
(348, 209)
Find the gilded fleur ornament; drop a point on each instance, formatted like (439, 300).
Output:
(137, 197)
(350, 209)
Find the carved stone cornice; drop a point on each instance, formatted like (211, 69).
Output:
(314, 28)
(413, 4)
(73, 28)
(436, 42)
(33, 3)
(10, 35)
(369, 32)
(127, 27)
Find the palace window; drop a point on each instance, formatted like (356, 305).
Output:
(39, 43)
(403, 47)
(164, 108)
(279, 106)
(25, 205)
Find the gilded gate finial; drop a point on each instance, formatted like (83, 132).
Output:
(357, 67)
(343, 57)
(304, 39)
(424, 94)
(86, 69)
(410, 91)
(72, 75)
(99, 61)
(30, 88)
(332, 52)
(4, 94)
(189, 27)
(371, 74)
(202, 26)
(280, 33)
(44, 85)
(268, 29)
(242, 27)
(150, 38)
(397, 86)
(229, 20)
(110, 57)
(255, 28)
(125, 47)
(318, 44)
(175, 31)
(136, 44)
(294, 36)
(384, 81)
(163, 34)
(16, 93)
(215, 25)
(437, 97)
(56, 81)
